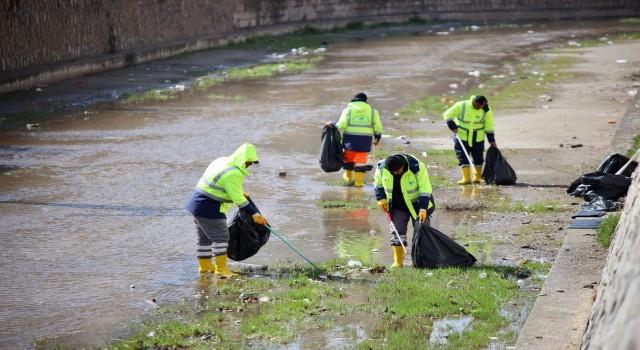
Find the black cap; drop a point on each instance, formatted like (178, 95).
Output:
(360, 96)
(393, 163)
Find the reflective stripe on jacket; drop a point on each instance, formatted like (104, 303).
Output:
(416, 186)
(361, 123)
(470, 120)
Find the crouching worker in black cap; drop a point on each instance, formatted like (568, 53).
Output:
(402, 188)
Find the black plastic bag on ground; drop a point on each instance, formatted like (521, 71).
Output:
(432, 248)
(615, 162)
(245, 237)
(496, 169)
(331, 152)
(604, 185)
(600, 204)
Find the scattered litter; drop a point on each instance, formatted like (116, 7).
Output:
(33, 126)
(180, 87)
(401, 137)
(354, 264)
(424, 154)
(377, 269)
(520, 283)
(621, 61)
(483, 275)
(453, 86)
(585, 223)
(38, 89)
(442, 33)
(475, 73)
(577, 145)
(588, 213)
(282, 172)
(263, 299)
(152, 302)
(611, 121)
(632, 93)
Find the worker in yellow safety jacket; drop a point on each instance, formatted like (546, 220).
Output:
(361, 127)
(471, 120)
(402, 188)
(217, 190)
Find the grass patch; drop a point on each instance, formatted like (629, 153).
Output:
(397, 310)
(353, 203)
(233, 74)
(515, 90)
(606, 228)
(634, 146)
(425, 106)
(508, 206)
(156, 95)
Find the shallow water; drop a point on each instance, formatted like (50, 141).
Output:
(91, 203)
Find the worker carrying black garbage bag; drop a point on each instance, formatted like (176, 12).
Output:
(219, 187)
(362, 127)
(403, 189)
(471, 120)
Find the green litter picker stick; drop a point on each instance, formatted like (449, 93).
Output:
(294, 249)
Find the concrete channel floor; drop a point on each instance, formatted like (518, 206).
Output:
(560, 314)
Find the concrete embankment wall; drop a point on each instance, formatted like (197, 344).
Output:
(47, 41)
(614, 322)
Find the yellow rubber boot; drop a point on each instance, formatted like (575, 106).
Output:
(359, 182)
(221, 267)
(348, 176)
(477, 177)
(398, 256)
(205, 265)
(466, 176)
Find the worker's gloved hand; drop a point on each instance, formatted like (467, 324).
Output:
(259, 219)
(422, 215)
(383, 204)
(245, 194)
(330, 124)
(375, 142)
(455, 131)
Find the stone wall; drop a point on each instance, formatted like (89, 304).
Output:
(615, 318)
(35, 33)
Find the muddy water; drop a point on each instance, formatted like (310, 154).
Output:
(91, 205)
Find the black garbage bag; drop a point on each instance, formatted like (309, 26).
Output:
(432, 248)
(245, 237)
(600, 204)
(496, 169)
(331, 152)
(605, 185)
(615, 162)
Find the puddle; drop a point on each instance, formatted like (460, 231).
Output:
(447, 326)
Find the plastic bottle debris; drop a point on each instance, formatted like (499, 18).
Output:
(354, 264)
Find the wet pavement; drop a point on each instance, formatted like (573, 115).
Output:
(91, 201)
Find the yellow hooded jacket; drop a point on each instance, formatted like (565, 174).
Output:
(221, 185)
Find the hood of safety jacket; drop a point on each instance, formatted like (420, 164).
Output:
(360, 107)
(245, 153)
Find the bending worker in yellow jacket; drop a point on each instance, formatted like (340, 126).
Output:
(219, 187)
(402, 188)
(471, 120)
